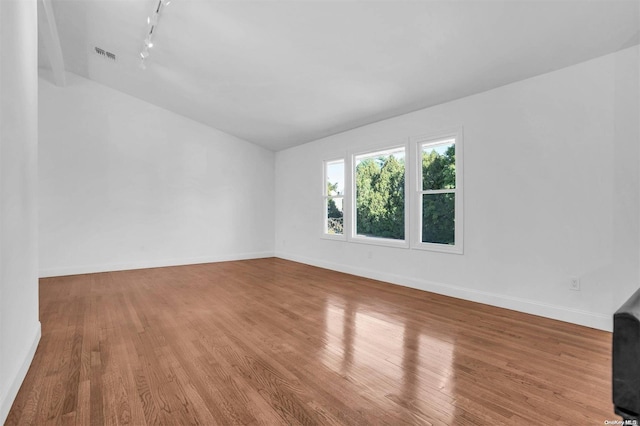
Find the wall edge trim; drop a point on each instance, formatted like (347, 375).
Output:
(12, 391)
(112, 267)
(595, 320)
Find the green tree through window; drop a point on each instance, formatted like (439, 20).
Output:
(335, 217)
(334, 197)
(380, 195)
(438, 193)
(375, 206)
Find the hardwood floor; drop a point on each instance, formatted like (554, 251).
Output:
(270, 341)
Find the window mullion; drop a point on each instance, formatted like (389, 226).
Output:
(438, 191)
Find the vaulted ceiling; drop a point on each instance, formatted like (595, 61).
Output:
(282, 73)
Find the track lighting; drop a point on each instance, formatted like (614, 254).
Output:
(152, 24)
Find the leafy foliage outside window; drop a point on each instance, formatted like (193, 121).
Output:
(334, 195)
(335, 215)
(380, 200)
(438, 192)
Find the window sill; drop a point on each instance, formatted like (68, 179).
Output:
(441, 248)
(387, 242)
(333, 237)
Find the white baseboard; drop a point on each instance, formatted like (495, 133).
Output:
(110, 267)
(589, 319)
(6, 401)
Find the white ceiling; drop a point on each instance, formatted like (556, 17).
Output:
(282, 73)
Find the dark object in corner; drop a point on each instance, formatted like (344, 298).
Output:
(626, 359)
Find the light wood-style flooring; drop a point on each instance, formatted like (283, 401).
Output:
(270, 341)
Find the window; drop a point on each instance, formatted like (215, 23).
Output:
(438, 192)
(334, 197)
(379, 194)
(407, 195)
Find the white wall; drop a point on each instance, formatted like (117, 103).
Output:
(19, 325)
(551, 192)
(125, 184)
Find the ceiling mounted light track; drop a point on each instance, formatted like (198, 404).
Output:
(152, 25)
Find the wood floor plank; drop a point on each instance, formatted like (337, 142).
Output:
(269, 341)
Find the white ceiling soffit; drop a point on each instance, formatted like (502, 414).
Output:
(282, 73)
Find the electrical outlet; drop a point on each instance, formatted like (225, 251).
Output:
(574, 284)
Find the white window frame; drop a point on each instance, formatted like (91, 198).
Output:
(416, 194)
(352, 236)
(325, 198)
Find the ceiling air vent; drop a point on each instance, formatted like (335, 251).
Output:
(104, 53)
